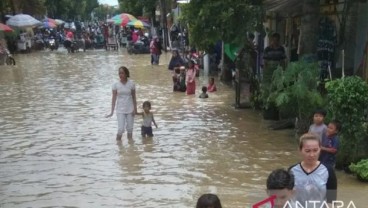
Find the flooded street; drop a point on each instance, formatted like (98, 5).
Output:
(58, 149)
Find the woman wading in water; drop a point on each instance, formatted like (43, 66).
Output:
(124, 102)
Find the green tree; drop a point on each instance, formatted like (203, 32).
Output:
(6, 7)
(31, 7)
(70, 9)
(347, 102)
(139, 7)
(102, 11)
(34, 7)
(58, 8)
(90, 6)
(227, 20)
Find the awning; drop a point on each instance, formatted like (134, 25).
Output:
(288, 6)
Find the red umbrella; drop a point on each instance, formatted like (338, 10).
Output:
(5, 28)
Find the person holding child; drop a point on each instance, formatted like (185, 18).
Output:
(315, 183)
(179, 79)
(124, 102)
(330, 144)
(175, 61)
(148, 119)
(190, 79)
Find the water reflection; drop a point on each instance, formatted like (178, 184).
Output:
(57, 149)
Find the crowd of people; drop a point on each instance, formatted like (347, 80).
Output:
(184, 73)
(310, 181)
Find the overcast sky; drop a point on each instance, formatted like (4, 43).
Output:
(109, 2)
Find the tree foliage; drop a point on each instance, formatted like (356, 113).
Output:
(70, 9)
(294, 91)
(347, 102)
(32, 7)
(227, 20)
(102, 11)
(138, 7)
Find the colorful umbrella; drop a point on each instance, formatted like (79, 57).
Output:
(22, 20)
(5, 28)
(47, 24)
(123, 19)
(50, 20)
(138, 24)
(59, 21)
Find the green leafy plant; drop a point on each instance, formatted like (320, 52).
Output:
(360, 169)
(219, 20)
(294, 91)
(348, 102)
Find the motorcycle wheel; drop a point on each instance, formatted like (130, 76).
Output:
(10, 61)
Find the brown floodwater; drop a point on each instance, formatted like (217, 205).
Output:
(58, 150)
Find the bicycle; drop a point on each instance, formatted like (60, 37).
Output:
(9, 60)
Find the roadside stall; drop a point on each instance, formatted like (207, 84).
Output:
(25, 22)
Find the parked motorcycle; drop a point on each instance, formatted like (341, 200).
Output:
(53, 44)
(139, 47)
(71, 46)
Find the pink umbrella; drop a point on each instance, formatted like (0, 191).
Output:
(5, 28)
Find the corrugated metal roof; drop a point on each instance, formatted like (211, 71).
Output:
(289, 6)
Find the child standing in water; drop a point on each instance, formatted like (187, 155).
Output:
(190, 79)
(146, 129)
(319, 127)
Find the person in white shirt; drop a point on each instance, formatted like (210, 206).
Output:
(124, 102)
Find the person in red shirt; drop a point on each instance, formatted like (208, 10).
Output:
(154, 51)
(69, 35)
(211, 85)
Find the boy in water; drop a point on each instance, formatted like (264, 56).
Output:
(330, 144)
(318, 127)
(146, 129)
(280, 183)
(204, 92)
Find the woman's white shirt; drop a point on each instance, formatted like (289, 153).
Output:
(124, 97)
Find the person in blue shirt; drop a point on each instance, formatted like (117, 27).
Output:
(330, 144)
